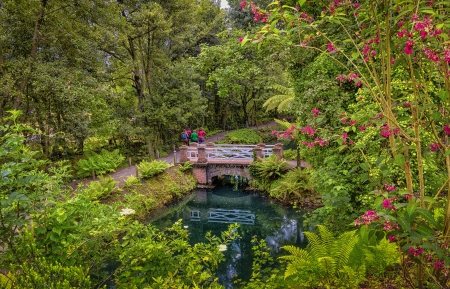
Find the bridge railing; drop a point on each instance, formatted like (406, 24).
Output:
(211, 151)
(228, 151)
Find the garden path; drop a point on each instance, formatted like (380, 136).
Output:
(123, 173)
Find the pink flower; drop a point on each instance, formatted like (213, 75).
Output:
(241, 39)
(386, 203)
(331, 48)
(344, 120)
(447, 130)
(408, 47)
(434, 146)
(392, 238)
(344, 135)
(315, 112)
(367, 218)
(352, 122)
(385, 131)
(389, 188)
(362, 127)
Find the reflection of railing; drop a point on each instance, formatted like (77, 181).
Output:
(231, 216)
(228, 151)
(225, 216)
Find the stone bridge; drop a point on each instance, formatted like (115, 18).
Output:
(212, 160)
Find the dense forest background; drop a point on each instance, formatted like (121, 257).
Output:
(131, 74)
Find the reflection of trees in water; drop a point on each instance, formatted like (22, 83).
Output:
(286, 234)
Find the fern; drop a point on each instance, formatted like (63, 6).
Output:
(150, 169)
(282, 101)
(269, 168)
(101, 163)
(326, 257)
(101, 189)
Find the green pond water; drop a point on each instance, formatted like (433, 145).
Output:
(213, 210)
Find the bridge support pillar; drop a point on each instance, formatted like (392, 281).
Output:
(278, 150)
(183, 154)
(258, 152)
(201, 154)
(200, 173)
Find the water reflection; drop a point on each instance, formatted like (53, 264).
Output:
(214, 210)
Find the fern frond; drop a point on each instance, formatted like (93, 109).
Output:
(282, 89)
(343, 247)
(279, 102)
(283, 124)
(285, 105)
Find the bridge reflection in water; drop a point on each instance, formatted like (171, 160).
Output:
(242, 217)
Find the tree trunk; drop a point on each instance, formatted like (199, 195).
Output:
(33, 52)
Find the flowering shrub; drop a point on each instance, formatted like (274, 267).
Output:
(398, 53)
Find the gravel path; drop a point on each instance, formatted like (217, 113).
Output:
(122, 174)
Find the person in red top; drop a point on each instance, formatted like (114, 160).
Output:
(188, 132)
(201, 136)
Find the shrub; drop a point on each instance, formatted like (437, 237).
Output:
(150, 169)
(186, 166)
(290, 154)
(269, 168)
(242, 136)
(296, 182)
(131, 181)
(101, 163)
(101, 189)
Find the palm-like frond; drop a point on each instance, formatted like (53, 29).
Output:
(280, 101)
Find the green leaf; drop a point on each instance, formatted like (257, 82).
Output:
(428, 217)
(404, 224)
(411, 208)
(400, 160)
(365, 166)
(57, 230)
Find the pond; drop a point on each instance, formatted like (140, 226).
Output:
(213, 210)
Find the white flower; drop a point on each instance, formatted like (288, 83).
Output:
(127, 211)
(222, 248)
(185, 227)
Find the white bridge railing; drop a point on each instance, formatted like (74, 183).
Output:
(228, 151)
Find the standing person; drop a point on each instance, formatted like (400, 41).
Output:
(201, 135)
(194, 136)
(188, 132)
(184, 138)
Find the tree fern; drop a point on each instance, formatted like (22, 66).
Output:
(282, 101)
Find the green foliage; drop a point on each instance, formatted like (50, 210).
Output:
(376, 253)
(149, 169)
(102, 189)
(296, 183)
(269, 168)
(325, 261)
(100, 163)
(290, 154)
(242, 136)
(131, 181)
(186, 166)
(40, 273)
(265, 272)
